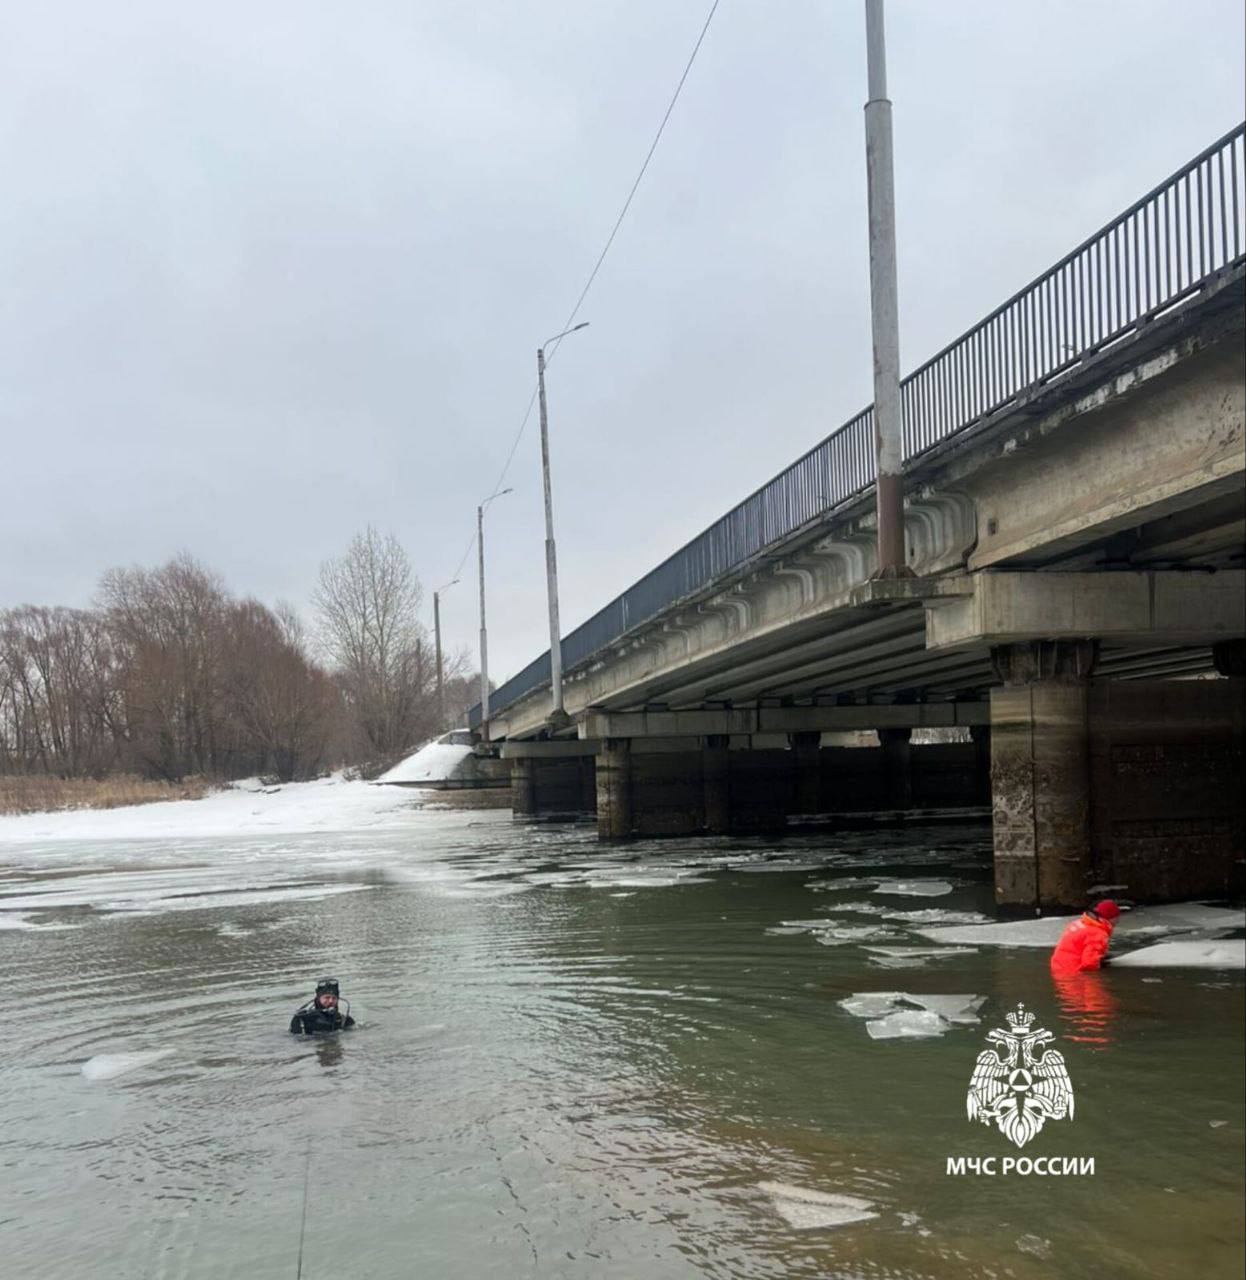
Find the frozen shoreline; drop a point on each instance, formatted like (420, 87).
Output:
(243, 808)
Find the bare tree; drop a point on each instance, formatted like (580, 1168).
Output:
(368, 606)
(282, 709)
(169, 628)
(56, 668)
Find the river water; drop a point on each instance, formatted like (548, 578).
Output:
(574, 1061)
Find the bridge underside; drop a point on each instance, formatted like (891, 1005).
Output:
(1074, 633)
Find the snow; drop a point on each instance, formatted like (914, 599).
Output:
(806, 1209)
(107, 1066)
(1230, 954)
(328, 804)
(434, 762)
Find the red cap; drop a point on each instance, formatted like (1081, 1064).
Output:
(1107, 910)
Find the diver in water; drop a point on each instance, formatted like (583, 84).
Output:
(321, 1012)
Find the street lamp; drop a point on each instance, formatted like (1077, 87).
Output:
(441, 688)
(888, 413)
(551, 556)
(484, 635)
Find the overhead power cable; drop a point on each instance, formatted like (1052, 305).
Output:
(601, 257)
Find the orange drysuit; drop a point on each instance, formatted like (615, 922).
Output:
(1082, 945)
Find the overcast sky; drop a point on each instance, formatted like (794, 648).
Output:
(272, 272)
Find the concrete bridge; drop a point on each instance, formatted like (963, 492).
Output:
(1075, 624)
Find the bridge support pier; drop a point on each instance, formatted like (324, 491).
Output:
(523, 788)
(1129, 783)
(554, 779)
(716, 785)
(1040, 775)
(614, 789)
(807, 763)
(898, 766)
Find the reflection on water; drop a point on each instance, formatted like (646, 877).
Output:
(1089, 1007)
(578, 1062)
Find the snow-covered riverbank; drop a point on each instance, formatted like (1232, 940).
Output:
(328, 804)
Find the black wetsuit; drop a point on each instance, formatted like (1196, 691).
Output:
(309, 1019)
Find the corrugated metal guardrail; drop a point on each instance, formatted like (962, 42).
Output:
(1162, 249)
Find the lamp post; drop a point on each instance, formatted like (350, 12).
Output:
(888, 426)
(441, 684)
(551, 556)
(484, 634)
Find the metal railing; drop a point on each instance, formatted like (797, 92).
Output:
(1162, 249)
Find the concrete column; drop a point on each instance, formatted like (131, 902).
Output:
(806, 749)
(523, 788)
(588, 785)
(980, 736)
(1040, 772)
(898, 766)
(715, 779)
(614, 789)
(1229, 657)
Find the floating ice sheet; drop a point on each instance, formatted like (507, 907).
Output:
(915, 888)
(842, 935)
(913, 957)
(907, 1024)
(872, 1004)
(937, 915)
(1230, 954)
(893, 1015)
(842, 882)
(805, 1209)
(107, 1066)
(1181, 917)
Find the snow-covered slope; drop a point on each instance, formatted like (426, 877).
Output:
(329, 804)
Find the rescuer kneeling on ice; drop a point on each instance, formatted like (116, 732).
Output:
(1084, 944)
(321, 1012)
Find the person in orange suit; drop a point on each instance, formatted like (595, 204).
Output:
(1084, 943)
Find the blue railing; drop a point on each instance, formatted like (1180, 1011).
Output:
(1165, 247)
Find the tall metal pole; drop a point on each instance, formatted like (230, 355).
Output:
(888, 424)
(441, 686)
(551, 553)
(557, 715)
(484, 635)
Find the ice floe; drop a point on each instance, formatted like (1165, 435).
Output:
(907, 1023)
(805, 1209)
(937, 915)
(842, 882)
(107, 1066)
(894, 1015)
(915, 888)
(1229, 954)
(1181, 917)
(913, 957)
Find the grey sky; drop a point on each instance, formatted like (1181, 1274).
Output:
(272, 272)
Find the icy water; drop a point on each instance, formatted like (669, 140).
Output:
(576, 1062)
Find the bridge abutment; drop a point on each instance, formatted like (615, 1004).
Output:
(1134, 784)
(1040, 776)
